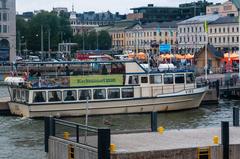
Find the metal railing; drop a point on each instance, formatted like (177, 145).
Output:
(87, 136)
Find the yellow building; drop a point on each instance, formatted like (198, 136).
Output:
(136, 37)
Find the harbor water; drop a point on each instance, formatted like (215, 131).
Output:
(22, 138)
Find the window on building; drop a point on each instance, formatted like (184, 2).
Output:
(0, 16)
(215, 30)
(155, 33)
(233, 39)
(127, 93)
(4, 16)
(224, 30)
(5, 28)
(3, 3)
(113, 93)
(219, 40)
(200, 39)
(166, 33)
(224, 40)
(219, 30)
(233, 29)
(211, 30)
(0, 28)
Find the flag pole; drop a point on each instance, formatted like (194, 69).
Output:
(239, 43)
(206, 48)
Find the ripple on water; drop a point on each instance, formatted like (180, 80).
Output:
(22, 138)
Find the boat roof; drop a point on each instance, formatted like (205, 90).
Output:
(74, 62)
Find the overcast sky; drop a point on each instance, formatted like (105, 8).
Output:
(121, 6)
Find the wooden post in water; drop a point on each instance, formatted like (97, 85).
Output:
(235, 116)
(154, 121)
(104, 140)
(225, 138)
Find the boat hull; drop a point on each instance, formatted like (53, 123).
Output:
(173, 102)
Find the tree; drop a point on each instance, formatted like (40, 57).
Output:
(58, 26)
(93, 40)
(105, 41)
(22, 30)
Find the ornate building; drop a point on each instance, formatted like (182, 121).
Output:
(7, 30)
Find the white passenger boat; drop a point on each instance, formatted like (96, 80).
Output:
(110, 87)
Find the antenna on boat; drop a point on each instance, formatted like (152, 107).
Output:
(86, 121)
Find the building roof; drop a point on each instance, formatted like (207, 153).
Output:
(200, 19)
(123, 24)
(172, 24)
(224, 20)
(213, 50)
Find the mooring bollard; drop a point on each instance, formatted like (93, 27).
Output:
(225, 139)
(154, 121)
(235, 116)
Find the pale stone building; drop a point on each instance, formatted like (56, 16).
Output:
(191, 33)
(137, 37)
(224, 33)
(7, 30)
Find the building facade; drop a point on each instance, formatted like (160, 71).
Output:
(224, 33)
(139, 37)
(191, 33)
(7, 30)
(153, 13)
(84, 22)
(225, 9)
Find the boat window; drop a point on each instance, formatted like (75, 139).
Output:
(190, 78)
(99, 94)
(27, 96)
(144, 80)
(23, 96)
(39, 97)
(155, 79)
(127, 93)
(18, 94)
(133, 79)
(83, 94)
(179, 78)
(69, 95)
(54, 96)
(113, 93)
(14, 94)
(168, 79)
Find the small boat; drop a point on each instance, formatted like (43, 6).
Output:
(104, 87)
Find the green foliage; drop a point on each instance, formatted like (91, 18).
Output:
(58, 26)
(93, 40)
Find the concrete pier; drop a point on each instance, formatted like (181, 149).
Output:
(173, 144)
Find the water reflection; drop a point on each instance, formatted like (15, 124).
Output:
(23, 138)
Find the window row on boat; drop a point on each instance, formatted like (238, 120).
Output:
(179, 78)
(71, 95)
